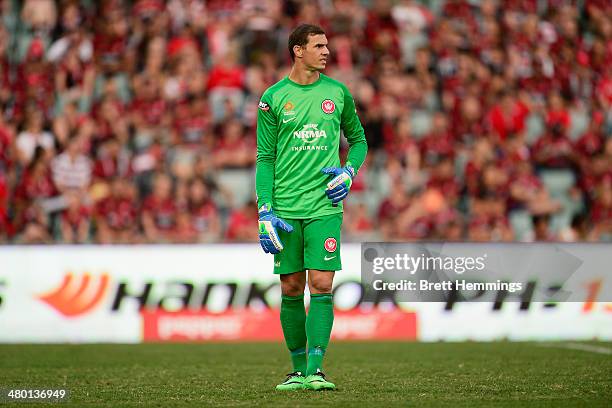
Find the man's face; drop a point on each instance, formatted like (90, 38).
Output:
(315, 53)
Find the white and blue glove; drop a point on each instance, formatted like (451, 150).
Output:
(268, 223)
(339, 187)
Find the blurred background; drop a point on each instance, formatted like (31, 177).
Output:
(134, 121)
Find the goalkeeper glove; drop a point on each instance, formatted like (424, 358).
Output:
(268, 237)
(338, 188)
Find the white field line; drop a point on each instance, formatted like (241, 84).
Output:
(579, 346)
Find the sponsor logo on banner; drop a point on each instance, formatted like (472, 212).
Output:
(120, 294)
(203, 325)
(77, 295)
(247, 325)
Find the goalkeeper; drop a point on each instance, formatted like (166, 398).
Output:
(300, 187)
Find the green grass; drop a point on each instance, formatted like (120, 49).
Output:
(367, 374)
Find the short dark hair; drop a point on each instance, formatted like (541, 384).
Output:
(300, 35)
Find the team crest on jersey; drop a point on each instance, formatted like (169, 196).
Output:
(264, 106)
(328, 106)
(330, 244)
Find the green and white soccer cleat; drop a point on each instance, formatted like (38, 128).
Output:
(294, 381)
(318, 382)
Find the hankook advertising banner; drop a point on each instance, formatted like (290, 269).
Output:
(228, 293)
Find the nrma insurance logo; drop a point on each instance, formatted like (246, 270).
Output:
(77, 295)
(310, 133)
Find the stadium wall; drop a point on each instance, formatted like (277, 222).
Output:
(131, 294)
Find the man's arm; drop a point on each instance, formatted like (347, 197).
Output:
(338, 188)
(264, 179)
(266, 152)
(353, 131)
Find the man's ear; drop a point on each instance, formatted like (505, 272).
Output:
(298, 51)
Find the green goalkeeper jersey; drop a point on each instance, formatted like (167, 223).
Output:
(298, 134)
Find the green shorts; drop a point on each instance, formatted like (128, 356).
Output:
(313, 244)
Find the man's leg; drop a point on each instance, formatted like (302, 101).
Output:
(320, 317)
(293, 318)
(289, 264)
(321, 259)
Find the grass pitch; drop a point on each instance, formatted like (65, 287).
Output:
(367, 374)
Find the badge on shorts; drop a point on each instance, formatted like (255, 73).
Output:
(330, 244)
(328, 106)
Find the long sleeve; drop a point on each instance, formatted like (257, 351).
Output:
(353, 131)
(266, 152)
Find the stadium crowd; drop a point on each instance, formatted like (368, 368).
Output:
(487, 120)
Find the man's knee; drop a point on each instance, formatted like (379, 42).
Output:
(320, 281)
(293, 284)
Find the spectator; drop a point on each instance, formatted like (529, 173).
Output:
(357, 222)
(4, 221)
(527, 191)
(115, 216)
(33, 86)
(554, 150)
(508, 116)
(203, 211)
(39, 15)
(242, 224)
(225, 83)
(185, 232)
(36, 230)
(601, 210)
(73, 35)
(439, 143)
(112, 161)
(159, 211)
(75, 221)
(109, 115)
(72, 170)
(463, 104)
(578, 231)
(233, 150)
(33, 135)
(7, 144)
(5, 74)
(389, 211)
(541, 228)
(74, 79)
(35, 186)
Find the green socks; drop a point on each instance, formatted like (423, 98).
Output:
(293, 321)
(318, 329)
(317, 326)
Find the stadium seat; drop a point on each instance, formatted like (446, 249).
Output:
(558, 182)
(420, 121)
(520, 220)
(535, 128)
(579, 124)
